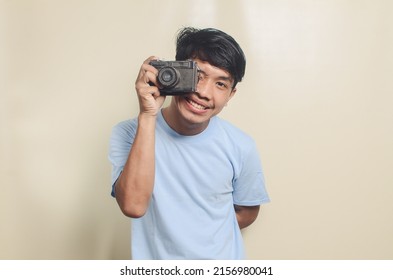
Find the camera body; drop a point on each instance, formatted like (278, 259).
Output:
(176, 77)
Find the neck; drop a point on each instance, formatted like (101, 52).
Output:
(182, 126)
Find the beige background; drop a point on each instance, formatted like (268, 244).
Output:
(317, 98)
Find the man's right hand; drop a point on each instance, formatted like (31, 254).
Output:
(135, 184)
(150, 100)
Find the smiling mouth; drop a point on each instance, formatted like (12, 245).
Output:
(196, 105)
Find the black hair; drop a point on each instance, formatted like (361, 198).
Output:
(214, 46)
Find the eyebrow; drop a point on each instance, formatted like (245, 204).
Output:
(226, 78)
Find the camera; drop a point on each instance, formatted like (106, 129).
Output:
(176, 77)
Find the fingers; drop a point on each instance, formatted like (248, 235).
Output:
(147, 89)
(150, 59)
(147, 74)
(147, 68)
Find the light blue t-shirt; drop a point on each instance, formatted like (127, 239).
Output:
(198, 180)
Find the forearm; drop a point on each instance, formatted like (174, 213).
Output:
(135, 184)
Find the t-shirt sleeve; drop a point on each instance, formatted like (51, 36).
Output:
(249, 184)
(120, 143)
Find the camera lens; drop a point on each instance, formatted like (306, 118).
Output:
(168, 76)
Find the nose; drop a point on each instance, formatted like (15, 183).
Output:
(203, 90)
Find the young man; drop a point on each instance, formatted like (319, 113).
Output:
(189, 180)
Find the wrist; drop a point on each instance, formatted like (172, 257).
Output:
(145, 118)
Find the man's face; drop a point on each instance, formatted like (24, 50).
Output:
(214, 90)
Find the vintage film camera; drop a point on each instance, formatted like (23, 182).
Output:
(176, 77)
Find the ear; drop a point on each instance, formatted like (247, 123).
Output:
(232, 93)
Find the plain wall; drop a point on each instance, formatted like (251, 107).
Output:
(317, 98)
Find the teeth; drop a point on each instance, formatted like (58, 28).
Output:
(196, 105)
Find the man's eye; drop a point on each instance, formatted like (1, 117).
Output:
(221, 85)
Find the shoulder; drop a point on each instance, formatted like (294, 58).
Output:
(125, 128)
(123, 133)
(234, 134)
